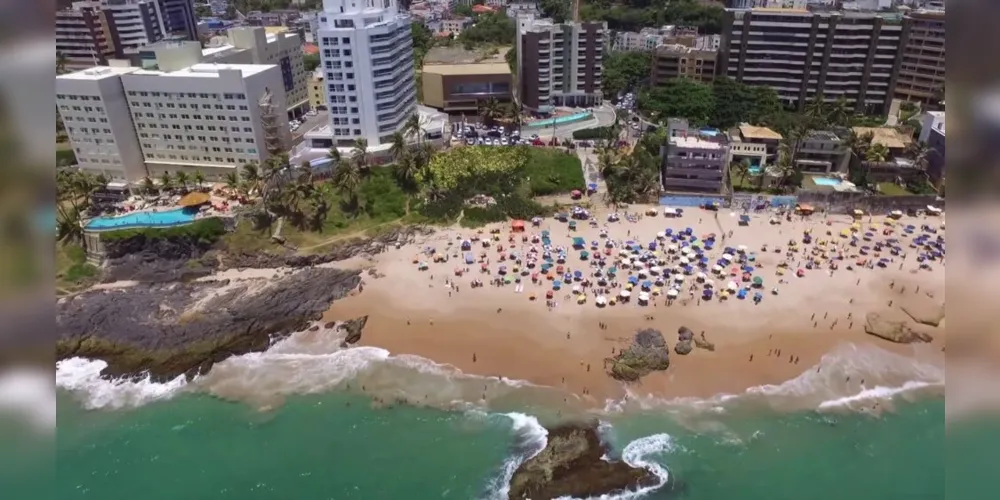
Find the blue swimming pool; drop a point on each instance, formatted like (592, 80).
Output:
(558, 121)
(165, 218)
(826, 181)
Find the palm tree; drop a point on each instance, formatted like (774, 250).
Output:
(360, 152)
(839, 112)
(398, 148)
(69, 227)
(816, 109)
(347, 179)
(250, 176)
(919, 152)
(491, 110)
(877, 153)
(199, 178)
(182, 179)
(413, 128)
(743, 168)
(232, 181)
(166, 181)
(148, 186)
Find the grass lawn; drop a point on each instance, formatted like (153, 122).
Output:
(747, 184)
(892, 189)
(72, 270)
(552, 171)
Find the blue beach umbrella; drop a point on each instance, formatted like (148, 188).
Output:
(633, 280)
(556, 284)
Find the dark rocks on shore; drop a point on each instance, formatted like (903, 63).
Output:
(183, 258)
(571, 466)
(893, 331)
(684, 333)
(353, 329)
(648, 352)
(184, 328)
(683, 347)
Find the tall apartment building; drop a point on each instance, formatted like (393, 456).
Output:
(559, 64)
(678, 61)
(84, 36)
(245, 45)
(129, 123)
(803, 54)
(91, 32)
(767, 4)
(367, 54)
(922, 69)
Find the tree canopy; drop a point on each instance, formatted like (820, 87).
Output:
(680, 98)
(723, 104)
(624, 70)
(491, 27)
(633, 15)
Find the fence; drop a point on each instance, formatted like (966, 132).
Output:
(833, 202)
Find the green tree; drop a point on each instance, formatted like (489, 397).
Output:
(232, 181)
(182, 179)
(491, 110)
(398, 149)
(199, 179)
(359, 154)
(347, 179)
(877, 153)
(680, 98)
(491, 28)
(166, 182)
(737, 103)
(148, 186)
(743, 169)
(422, 41)
(623, 71)
(310, 62)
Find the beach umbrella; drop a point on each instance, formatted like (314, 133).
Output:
(647, 284)
(717, 268)
(702, 276)
(655, 270)
(577, 288)
(733, 286)
(601, 301)
(758, 281)
(741, 249)
(685, 260)
(643, 297)
(707, 293)
(672, 248)
(679, 278)
(800, 273)
(727, 257)
(508, 278)
(672, 292)
(709, 283)
(624, 293)
(556, 284)
(579, 274)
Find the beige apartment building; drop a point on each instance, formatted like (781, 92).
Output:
(922, 68)
(678, 61)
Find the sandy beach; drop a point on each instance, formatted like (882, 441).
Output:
(497, 331)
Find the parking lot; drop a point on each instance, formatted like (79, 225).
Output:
(310, 122)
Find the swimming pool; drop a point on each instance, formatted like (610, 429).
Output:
(826, 181)
(165, 218)
(558, 120)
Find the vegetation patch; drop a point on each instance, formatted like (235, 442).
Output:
(593, 133)
(203, 231)
(553, 171)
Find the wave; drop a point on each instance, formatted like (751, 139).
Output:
(83, 378)
(530, 439)
(843, 378)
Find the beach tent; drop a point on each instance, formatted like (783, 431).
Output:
(517, 225)
(579, 243)
(624, 294)
(469, 258)
(672, 292)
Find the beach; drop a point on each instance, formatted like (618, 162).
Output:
(495, 331)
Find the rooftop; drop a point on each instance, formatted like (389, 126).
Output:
(98, 73)
(692, 141)
(468, 69)
(214, 50)
(824, 135)
(754, 132)
(886, 136)
(458, 55)
(207, 70)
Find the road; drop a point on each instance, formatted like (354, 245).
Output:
(604, 115)
(318, 120)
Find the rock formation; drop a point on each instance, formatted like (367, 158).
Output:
(353, 329)
(923, 310)
(684, 333)
(683, 347)
(702, 343)
(647, 353)
(893, 331)
(184, 328)
(571, 466)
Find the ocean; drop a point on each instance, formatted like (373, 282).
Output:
(337, 446)
(319, 437)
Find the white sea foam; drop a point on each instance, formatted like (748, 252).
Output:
(531, 440)
(875, 393)
(83, 377)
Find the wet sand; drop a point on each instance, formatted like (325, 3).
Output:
(414, 312)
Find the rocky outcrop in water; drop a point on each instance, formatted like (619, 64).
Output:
(184, 328)
(893, 331)
(352, 330)
(571, 466)
(648, 352)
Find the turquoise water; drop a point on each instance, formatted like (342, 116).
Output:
(825, 181)
(559, 120)
(144, 219)
(338, 446)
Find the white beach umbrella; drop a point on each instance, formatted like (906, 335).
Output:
(727, 256)
(679, 278)
(577, 289)
(660, 235)
(601, 300)
(624, 293)
(655, 269)
(733, 286)
(685, 260)
(672, 248)
(702, 276)
(709, 283)
(643, 296)
(672, 292)
(717, 268)
(741, 248)
(642, 274)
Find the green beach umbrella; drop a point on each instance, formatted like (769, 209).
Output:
(757, 280)
(508, 278)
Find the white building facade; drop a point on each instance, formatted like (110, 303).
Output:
(205, 117)
(367, 59)
(98, 121)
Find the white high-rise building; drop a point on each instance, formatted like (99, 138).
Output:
(367, 61)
